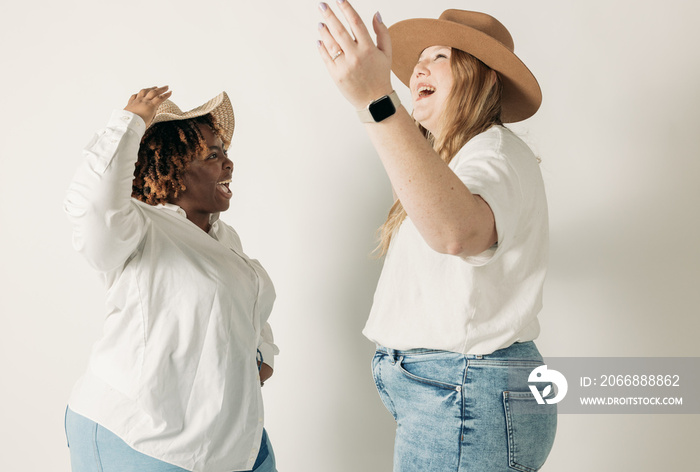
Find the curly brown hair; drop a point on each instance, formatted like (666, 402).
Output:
(165, 151)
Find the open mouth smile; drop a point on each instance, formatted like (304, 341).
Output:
(425, 90)
(223, 186)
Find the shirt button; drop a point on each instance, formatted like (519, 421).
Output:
(126, 118)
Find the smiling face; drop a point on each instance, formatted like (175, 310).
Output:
(207, 180)
(430, 85)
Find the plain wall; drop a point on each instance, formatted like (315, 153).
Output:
(617, 135)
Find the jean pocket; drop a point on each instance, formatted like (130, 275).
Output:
(442, 371)
(531, 429)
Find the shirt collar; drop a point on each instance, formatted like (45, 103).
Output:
(213, 218)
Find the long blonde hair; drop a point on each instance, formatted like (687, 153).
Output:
(473, 106)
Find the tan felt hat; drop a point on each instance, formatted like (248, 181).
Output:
(480, 35)
(219, 106)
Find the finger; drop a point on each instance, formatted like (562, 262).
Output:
(336, 28)
(162, 97)
(328, 41)
(156, 101)
(155, 91)
(325, 57)
(382, 32)
(144, 92)
(357, 26)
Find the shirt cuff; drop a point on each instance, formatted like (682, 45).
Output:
(126, 119)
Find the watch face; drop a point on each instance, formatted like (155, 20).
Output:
(382, 108)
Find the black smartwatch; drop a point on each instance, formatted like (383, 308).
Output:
(380, 109)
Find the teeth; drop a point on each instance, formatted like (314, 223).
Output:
(224, 184)
(425, 88)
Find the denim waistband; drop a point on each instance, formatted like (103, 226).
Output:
(526, 350)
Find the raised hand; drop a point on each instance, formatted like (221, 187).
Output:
(360, 69)
(146, 102)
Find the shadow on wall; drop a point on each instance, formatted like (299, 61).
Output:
(625, 260)
(363, 428)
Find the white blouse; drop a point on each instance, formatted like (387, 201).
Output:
(174, 374)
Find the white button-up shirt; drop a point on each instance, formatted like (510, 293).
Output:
(175, 372)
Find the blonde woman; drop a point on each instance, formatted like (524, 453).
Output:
(455, 310)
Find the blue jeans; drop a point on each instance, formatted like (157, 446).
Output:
(463, 413)
(94, 448)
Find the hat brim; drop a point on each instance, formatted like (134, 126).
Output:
(220, 107)
(522, 95)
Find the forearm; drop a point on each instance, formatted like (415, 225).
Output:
(449, 217)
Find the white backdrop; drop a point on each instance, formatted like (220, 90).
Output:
(617, 134)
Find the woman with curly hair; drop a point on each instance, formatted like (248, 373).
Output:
(174, 382)
(455, 310)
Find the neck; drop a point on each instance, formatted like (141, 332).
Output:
(200, 219)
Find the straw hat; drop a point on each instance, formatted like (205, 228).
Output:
(219, 106)
(480, 35)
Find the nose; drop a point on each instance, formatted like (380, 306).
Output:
(228, 163)
(421, 69)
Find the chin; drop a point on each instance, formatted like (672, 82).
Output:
(220, 208)
(417, 115)
(422, 120)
